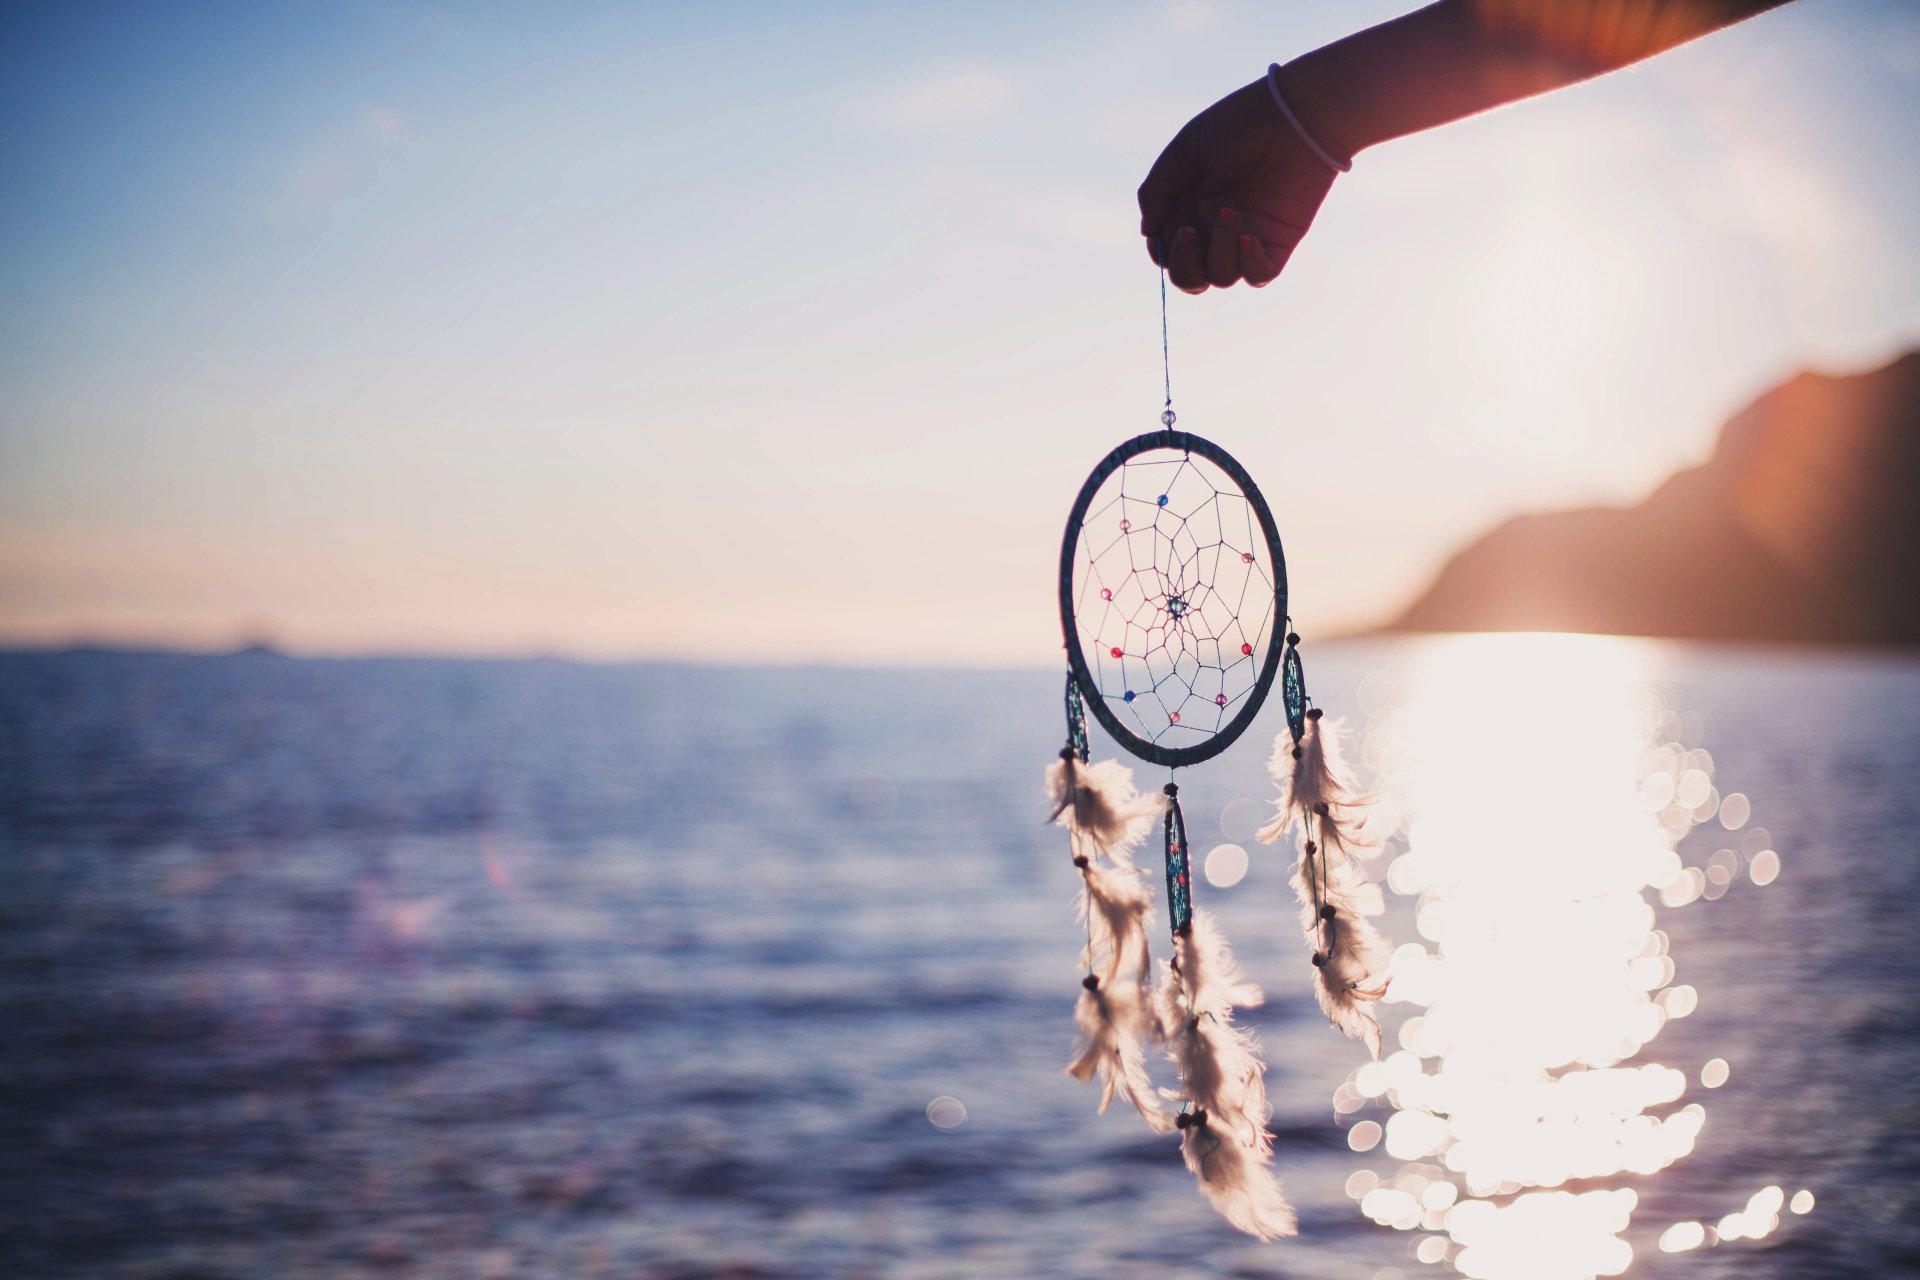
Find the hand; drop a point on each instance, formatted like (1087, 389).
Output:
(1232, 194)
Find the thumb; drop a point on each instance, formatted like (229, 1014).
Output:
(1156, 205)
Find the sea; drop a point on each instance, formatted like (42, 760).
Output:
(422, 967)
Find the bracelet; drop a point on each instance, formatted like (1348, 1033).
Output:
(1313, 143)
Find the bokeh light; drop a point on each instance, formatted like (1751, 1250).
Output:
(1226, 865)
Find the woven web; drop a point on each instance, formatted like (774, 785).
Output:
(1173, 596)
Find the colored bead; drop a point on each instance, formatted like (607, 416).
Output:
(1219, 699)
(1106, 593)
(1090, 982)
(1246, 648)
(1163, 499)
(1319, 960)
(1115, 651)
(1292, 638)
(1246, 557)
(1167, 417)
(1128, 696)
(1326, 912)
(1126, 525)
(1173, 717)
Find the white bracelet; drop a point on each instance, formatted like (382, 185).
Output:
(1313, 143)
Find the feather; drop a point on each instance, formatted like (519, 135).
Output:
(1210, 972)
(1114, 1013)
(1221, 1072)
(1111, 1021)
(1102, 811)
(1350, 955)
(1117, 906)
(1311, 775)
(1236, 1179)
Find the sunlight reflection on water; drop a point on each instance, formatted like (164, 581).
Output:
(1542, 979)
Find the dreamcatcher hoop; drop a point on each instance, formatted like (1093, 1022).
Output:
(1097, 698)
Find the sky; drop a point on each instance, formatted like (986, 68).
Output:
(780, 333)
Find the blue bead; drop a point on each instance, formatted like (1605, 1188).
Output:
(1129, 695)
(1163, 499)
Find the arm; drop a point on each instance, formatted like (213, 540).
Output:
(1236, 189)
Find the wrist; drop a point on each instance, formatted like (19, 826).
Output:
(1327, 94)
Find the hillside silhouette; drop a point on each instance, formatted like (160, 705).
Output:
(1804, 525)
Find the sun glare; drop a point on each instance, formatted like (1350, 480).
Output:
(1542, 808)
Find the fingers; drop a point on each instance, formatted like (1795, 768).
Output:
(1186, 261)
(1222, 260)
(1258, 269)
(1200, 253)
(1223, 249)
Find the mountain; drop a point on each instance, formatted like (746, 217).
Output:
(1803, 525)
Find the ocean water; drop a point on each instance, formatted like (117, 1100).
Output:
(500, 969)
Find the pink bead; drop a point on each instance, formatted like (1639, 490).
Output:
(1174, 716)
(1115, 651)
(1106, 594)
(1246, 557)
(1246, 648)
(1220, 699)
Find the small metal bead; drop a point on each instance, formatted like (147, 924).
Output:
(1080, 860)
(1172, 789)
(1293, 637)
(1313, 713)
(1167, 417)
(1182, 1120)
(1319, 961)
(1326, 912)
(1090, 982)
(1312, 848)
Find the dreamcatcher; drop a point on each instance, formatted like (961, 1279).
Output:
(1173, 600)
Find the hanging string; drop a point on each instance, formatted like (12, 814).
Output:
(1167, 414)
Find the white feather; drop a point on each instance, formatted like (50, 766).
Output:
(1102, 811)
(1209, 971)
(1220, 1068)
(1237, 1181)
(1117, 906)
(1310, 774)
(1111, 1022)
(1354, 957)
